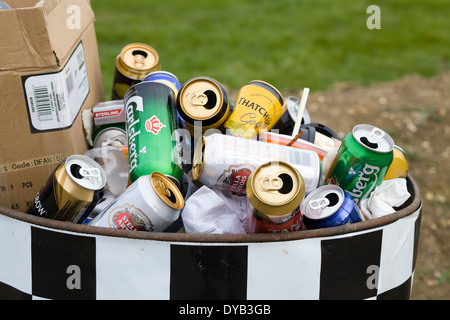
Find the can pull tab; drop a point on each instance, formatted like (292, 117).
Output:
(375, 135)
(271, 183)
(198, 99)
(164, 188)
(139, 60)
(90, 174)
(316, 206)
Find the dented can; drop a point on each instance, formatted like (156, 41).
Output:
(151, 203)
(71, 191)
(362, 161)
(259, 105)
(329, 206)
(202, 102)
(151, 121)
(275, 191)
(226, 162)
(135, 61)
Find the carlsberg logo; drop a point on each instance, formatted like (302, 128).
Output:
(133, 102)
(364, 177)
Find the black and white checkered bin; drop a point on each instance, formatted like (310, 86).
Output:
(45, 259)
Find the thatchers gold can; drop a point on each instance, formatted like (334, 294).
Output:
(259, 105)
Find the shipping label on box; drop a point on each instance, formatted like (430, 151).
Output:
(55, 99)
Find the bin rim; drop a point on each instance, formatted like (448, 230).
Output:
(87, 230)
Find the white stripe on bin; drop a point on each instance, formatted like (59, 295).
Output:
(132, 269)
(397, 253)
(284, 270)
(15, 254)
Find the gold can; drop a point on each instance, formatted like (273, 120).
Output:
(259, 105)
(275, 191)
(202, 102)
(399, 166)
(133, 64)
(71, 191)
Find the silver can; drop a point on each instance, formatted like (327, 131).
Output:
(151, 203)
(226, 162)
(111, 135)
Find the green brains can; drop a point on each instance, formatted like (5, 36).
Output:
(151, 125)
(362, 161)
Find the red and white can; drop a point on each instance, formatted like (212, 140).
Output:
(225, 162)
(151, 203)
(108, 112)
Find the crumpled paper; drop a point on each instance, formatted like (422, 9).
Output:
(215, 212)
(382, 201)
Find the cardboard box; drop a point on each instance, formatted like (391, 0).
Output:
(49, 73)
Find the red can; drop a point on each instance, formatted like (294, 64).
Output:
(275, 191)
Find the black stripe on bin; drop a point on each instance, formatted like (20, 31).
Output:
(10, 293)
(63, 265)
(349, 266)
(402, 292)
(208, 272)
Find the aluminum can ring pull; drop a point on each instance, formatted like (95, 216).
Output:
(271, 183)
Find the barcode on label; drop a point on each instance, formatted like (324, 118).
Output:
(69, 83)
(299, 157)
(43, 105)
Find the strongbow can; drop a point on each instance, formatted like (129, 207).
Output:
(165, 77)
(329, 206)
(134, 62)
(362, 161)
(151, 203)
(151, 120)
(71, 190)
(202, 102)
(225, 162)
(259, 105)
(275, 191)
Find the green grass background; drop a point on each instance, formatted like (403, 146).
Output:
(289, 43)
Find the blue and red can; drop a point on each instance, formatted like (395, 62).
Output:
(165, 77)
(329, 206)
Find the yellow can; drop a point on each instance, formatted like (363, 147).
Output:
(259, 105)
(399, 166)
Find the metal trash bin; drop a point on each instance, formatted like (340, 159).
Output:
(375, 259)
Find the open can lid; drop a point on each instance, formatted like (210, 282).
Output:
(373, 138)
(85, 172)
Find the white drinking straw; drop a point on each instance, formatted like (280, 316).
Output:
(301, 110)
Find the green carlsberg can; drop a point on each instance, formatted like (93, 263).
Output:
(151, 124)
(362, 161)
